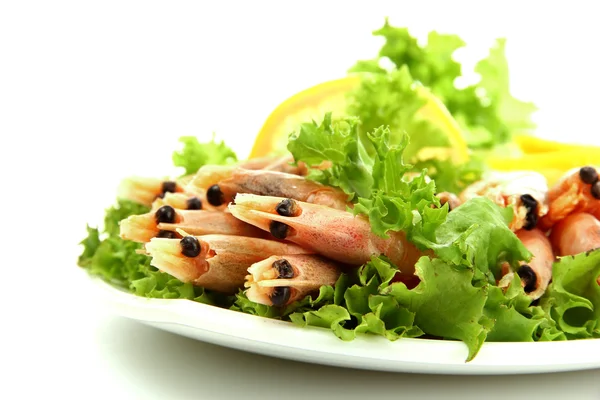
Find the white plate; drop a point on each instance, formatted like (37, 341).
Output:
(315, 345)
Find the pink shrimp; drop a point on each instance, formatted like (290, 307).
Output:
(215, 262)
(450, 198)
(336, 234)
(536, 274)
(281, 280)
(146, 190)
(524, 191)
(578, 191)
(165, 221)
(575, 234)
(222, 185)
(283, 163)
(182, 201)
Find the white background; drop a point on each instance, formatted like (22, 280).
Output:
(91, 92)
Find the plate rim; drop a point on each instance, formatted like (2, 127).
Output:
(319, 346)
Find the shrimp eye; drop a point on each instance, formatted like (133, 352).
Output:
(279, 230)
(529, 201)
(588, 175)
(190, 247)
(596, 190)
(531, 220)
(531, 205)
(280, 296)
(169, 187)
(287, 208)
(215, 196)
(284, 268)
(165, 214)
(194, 203)
(528, 277)
(168, 235)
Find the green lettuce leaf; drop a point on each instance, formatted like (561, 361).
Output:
(487, 112)
(360, 308)
(511, 313)
(123, 209)
(336, 141)
(90, 245)
(392, 100)
(514, 114)
(369, 167)
(477, 235)
(445, 303)
(573, 297)
(243, 304)
(194, 154)
(115, 260)
(450, 177)
(325, 296)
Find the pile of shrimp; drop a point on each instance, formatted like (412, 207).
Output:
(263, 227)
(563, 220)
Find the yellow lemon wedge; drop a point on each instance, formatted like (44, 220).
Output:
(550, 158)
(533, 144)
(311, 103)
(435, 111)
(314, 102)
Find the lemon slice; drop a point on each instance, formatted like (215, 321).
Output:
(308, 104)
(435, 111)
(552, 164)
(534, 145)
(314, 102)
(550, 158)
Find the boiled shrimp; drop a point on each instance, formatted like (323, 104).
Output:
(222, 186)
(166, 220)
(537, 273)
(526, 192)
(335, 234)
(281, 280)
(575, 234)
(182, 201)
(215, 262)
(577, 192)
(144, 190)
(451, 199)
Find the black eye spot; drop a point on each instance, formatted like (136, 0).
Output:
(169, 187)
(165, 214)
(190, 247)
(287, 208)
(168, 235)
(529, 201)
(194, 203)
(531, 204)
(279, 230)
(284, 268)
(528, 277)
(596, 190)
(588, 175)
(215, 196)
(531, 220)
(280, 296)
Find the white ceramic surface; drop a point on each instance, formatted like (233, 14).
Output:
(315, 345)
